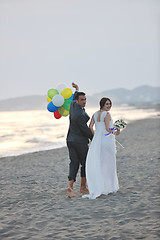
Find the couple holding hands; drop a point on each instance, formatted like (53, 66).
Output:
(98, 161)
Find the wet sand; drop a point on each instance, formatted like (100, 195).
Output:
(34, 202)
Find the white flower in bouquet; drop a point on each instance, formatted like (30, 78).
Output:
(119, 124)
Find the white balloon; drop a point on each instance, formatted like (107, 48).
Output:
(60, 87)
(58, 100)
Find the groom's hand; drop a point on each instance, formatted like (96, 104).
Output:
(75, 86)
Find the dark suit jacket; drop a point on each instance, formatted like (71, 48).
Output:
(78, 131)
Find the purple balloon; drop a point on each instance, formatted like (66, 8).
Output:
(51, 107)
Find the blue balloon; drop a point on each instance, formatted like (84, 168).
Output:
(51, 107)
(71, 98)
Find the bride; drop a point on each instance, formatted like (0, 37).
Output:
(101, 170)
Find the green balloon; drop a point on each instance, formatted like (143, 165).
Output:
(52, 92)
(63, 112)
(67, 104)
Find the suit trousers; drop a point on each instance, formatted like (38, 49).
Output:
(77, 155)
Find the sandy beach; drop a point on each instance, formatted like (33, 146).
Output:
(34, 203)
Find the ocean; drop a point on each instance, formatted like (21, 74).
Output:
(37, 130)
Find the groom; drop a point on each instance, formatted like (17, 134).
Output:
(77, 140)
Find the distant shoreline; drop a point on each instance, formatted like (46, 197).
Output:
(141, 96)
(138, 106)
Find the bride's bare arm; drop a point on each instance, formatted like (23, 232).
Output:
(107, 120)
(107, 124)
(91, 125)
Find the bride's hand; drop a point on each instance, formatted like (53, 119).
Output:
(117, 132)
(75, 86)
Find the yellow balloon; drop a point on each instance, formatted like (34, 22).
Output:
(49, 99)
(66, 93)
(63, 112)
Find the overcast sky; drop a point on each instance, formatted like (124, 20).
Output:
(99, 44)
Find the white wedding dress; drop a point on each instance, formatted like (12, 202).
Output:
(101, 170)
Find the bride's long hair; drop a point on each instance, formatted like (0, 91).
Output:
(103, 101)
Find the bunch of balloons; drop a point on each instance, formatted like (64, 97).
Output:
(59, 100)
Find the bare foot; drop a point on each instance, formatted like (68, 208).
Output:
(70, 192)
(84, 190)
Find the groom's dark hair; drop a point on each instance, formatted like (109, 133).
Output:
(103, 101)
(77, 94)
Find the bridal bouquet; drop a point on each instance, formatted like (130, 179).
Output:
(119, 124)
